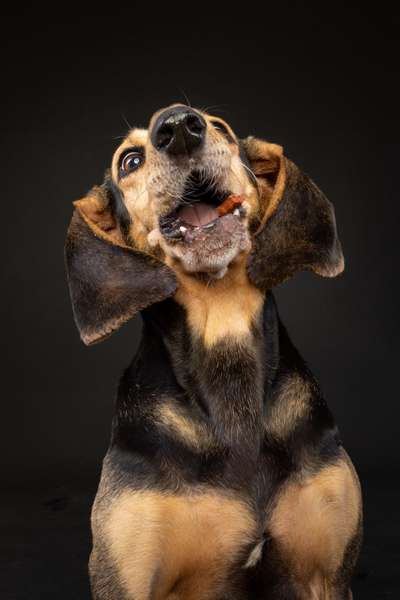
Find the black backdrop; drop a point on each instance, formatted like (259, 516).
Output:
(322, 85)
(318, 81)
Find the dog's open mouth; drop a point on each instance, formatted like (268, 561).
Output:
(201, 206)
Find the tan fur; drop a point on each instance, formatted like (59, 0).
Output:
(144, 190)
(293, 404)
(94, 210)
(136, 137)
(312, 523)
(217, 309)
(167, 546)
(224, 308)
(192, 433)
(138, 201)
(181, 547)
(267, 159)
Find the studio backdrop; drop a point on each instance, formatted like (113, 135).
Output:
(320, 87)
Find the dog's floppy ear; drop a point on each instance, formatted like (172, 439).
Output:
(109, 281)
(297, 229)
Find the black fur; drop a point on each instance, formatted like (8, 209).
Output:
(170, 363)
(301, 235)
(118, 208)
(243, 384)
(229, 392)
(109, 284)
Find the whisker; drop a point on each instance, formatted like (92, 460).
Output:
(235, 175)
(215, 107)
(178, 197)
(253, 175)
(185, 96)
(126, 121)
(248, 169)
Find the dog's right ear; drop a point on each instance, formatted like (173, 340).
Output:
(109, 281)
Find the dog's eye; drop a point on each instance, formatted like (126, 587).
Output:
(222, 129)
(131, 161)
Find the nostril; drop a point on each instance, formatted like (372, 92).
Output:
(194, 124)
(178, 131)
(164, 136)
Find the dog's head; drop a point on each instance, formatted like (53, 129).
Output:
(186, 196)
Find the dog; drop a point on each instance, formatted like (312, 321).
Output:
(225, 477)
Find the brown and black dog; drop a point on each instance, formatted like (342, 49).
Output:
(225, 478)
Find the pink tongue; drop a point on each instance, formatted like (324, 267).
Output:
(198, 214)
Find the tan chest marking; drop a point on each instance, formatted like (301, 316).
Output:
(223, 308)
(314, 520)
(292, 404)
(176, 546)
(179, 424)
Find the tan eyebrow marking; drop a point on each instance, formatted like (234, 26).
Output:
(137, 136)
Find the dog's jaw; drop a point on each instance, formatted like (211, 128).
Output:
(208, 249)
(206, 228)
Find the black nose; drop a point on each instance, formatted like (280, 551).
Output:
(178, 130)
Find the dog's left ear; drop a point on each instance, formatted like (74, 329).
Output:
(297, 228)
(109, 281)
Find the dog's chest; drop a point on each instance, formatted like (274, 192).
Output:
(160, 544)
(205, 543)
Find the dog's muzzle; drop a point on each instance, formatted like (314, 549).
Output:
(202, 213)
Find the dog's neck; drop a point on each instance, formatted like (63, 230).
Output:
(215, 339)
(220, 310)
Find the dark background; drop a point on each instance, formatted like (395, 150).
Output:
(319, 82)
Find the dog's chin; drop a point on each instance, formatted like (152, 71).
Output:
(210, 249)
